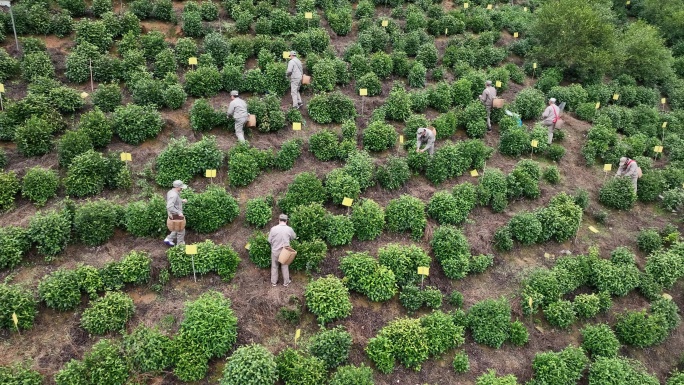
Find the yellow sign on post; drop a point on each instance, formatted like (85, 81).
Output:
(498, 84)
(465, 5)
(296, 126)
(363, 91)
(191, 249)
(534, 143)
(385, 23)
(658, 149)
(593, 229)
(663, 101)
(298, 333)
(308, 15)
(84, 95)
(247, 246)
(286, 54)
(347, 202)
(489, 6)
(607, 167)
(210, 173)
(628, 2)
(524, 9)
(474, 173)
(664, 124)
(423, 270)
(401, 139)
(192, 61)
(616, 96)
(515, 35)
(2, 87)
(598, 105)
(15, 320)
(534, 65)
(126, 157)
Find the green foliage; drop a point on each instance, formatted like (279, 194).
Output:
(289, 152)
(109, 313)
(618, 193)
(403, 340)
(17, 374)
(50, 232)
(148, 349)
(309, 221)
(642, 329)
(249, 365)
(329, 300)
(37, 64)
(352, 375)
(452, 251)
(11, 182)
(331, 346)
(14, 243)
(134, 124)
(323, 145)
(461, 362)
(294, 368)
(649, 240)
(551, 174)
(103, 364)
(260, 250)
(600, 341)
(394, 173)
(339, 185)
(94, 222)
(305, 188)
(107, 97)
(34, 137)
(412, 298)
(525, 228)
(339, 231)
(368, 218)
(209, 326)
(209, 211)
(258, 212)
(379, 136)
(16, 300)
(363, 274)
(665, 266)
(452, 208)
(403, 261)
(492, 190)
(489, 320)
(560, 313)
(60, 290)
(529, 103)
(361, 167)
(97, 128)
(72, 144)
(146, 219)
(332, 107)
(406, 213)
(564, 367)
(518, 334)
(182, 160)
(309, 255)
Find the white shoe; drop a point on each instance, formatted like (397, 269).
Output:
(169, 242)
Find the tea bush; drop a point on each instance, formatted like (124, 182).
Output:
(135, 124)
(295, 368)
(461, 363)
(182, 160)
(642, 329)
(103, 364)
(260, 250)
(518, 334)
(340, 185)
(587, 305)
(305, 188)
(339, 230)
(148, 349)
(618, 193)
(109, 313)
(72, 144)
(331, 108)
(665, 267)
(10, 180)
(412, 298)
(452, 251)
(289, 152)
(209, 211)
(489, 321)
(564, 367)
(50, 232)
(394, 173)
(94, 222)
(617, 279)
(258, 212)
(525, 228)
(365, 275)
(323, 145)
(649, 240)
(97, 128)
(403, 340)
(17, 374)
(16, 300)
(361, 167)
(146, 219)
(328, 299)
(406, 213)
(600, 341)
(34, 137)
(251, 364)
(492, 190)
(529, 103)
(368, 218)
(309, 221)
(403, 261)
(552, 175)
(331, 346)
(221, 259)
(60, 290)
(352, 375)
(37, 64)
(561, 314)
(514, 142)
(309, 255)
(14, 243)
(379, 136)
(107, 97)
(209, 325)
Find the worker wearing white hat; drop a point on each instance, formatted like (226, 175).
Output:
(238, 110)
(174, 210)
(550, 117)
(295, 70)
(427, 137)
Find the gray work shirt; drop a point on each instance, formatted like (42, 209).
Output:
(238, 109)
(429, 138)
(280, 236)
(174, 204)
(550, 114)
(630, 170)
(488, 96)
(295, 69)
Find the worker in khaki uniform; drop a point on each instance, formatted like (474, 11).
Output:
(427, 137)
(630, 168)
(174, 209)
(294, 71)
(238, 110)
(279, 237)
(487, 98)
(550, 117)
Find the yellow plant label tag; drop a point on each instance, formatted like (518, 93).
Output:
(547, 255)
(498, 84)
(15, 320)
(423, 270)
(489, 6)
(515, 35)
(607, 167)
(628, 2)
(446, 31)
(667, 296)
(298, 333)
(664, 124)
(465, 5)
(534, 143)
(247, 246)
(296, 126)
(347, 202)
(84, 95)
(401, 139)
(598, 105)
(474, 173)
(286, 54)
(308, 15)
(616, 96)
(363, 91)
(192, 61)
(524, 9)
(2, 87)
(191, 249)
(663, 101)
(593, 229)
(210, 173)
(658, 149)
(534, 65)
(385, 23)
(126, 156)
(529, 302)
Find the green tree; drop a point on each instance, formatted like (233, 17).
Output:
(647, 58)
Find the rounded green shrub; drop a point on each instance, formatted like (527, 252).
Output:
(148, 349)
(452, 250)
(379, 136)
(87, 174)
(394, 174)
(34, 137)
(305, 188)
(489, 320)
(107, 97)
(14, 243)
(323, 145)
(331, 108)
(340, 185)
(309, 221)
(209, 324)
(328, 299)
(368, 218)
(60, 290)
(135, 124)
(529, 103)
(618, 193)
(552, 175)
(461, 363)
(403, 340)
(209, 211)
(406, 213)
(361, 167)
(587, 305)
(97, 127)
(365, 275)
(518, 334)
(560, 313)
(258, 212)
(109, 313)
(353, 375)
(331, 346)
(104, 364)
(50, 232)
(403, 261)
(525, 227)
(649, 240)
(146, 219)
(19, 301)
(339, 231)
(295, 368)
(599, 341)
(94, 222)
(260, 250)
(249, 365)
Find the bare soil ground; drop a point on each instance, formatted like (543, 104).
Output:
(57, 337)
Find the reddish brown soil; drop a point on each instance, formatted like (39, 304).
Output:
(57, 337)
